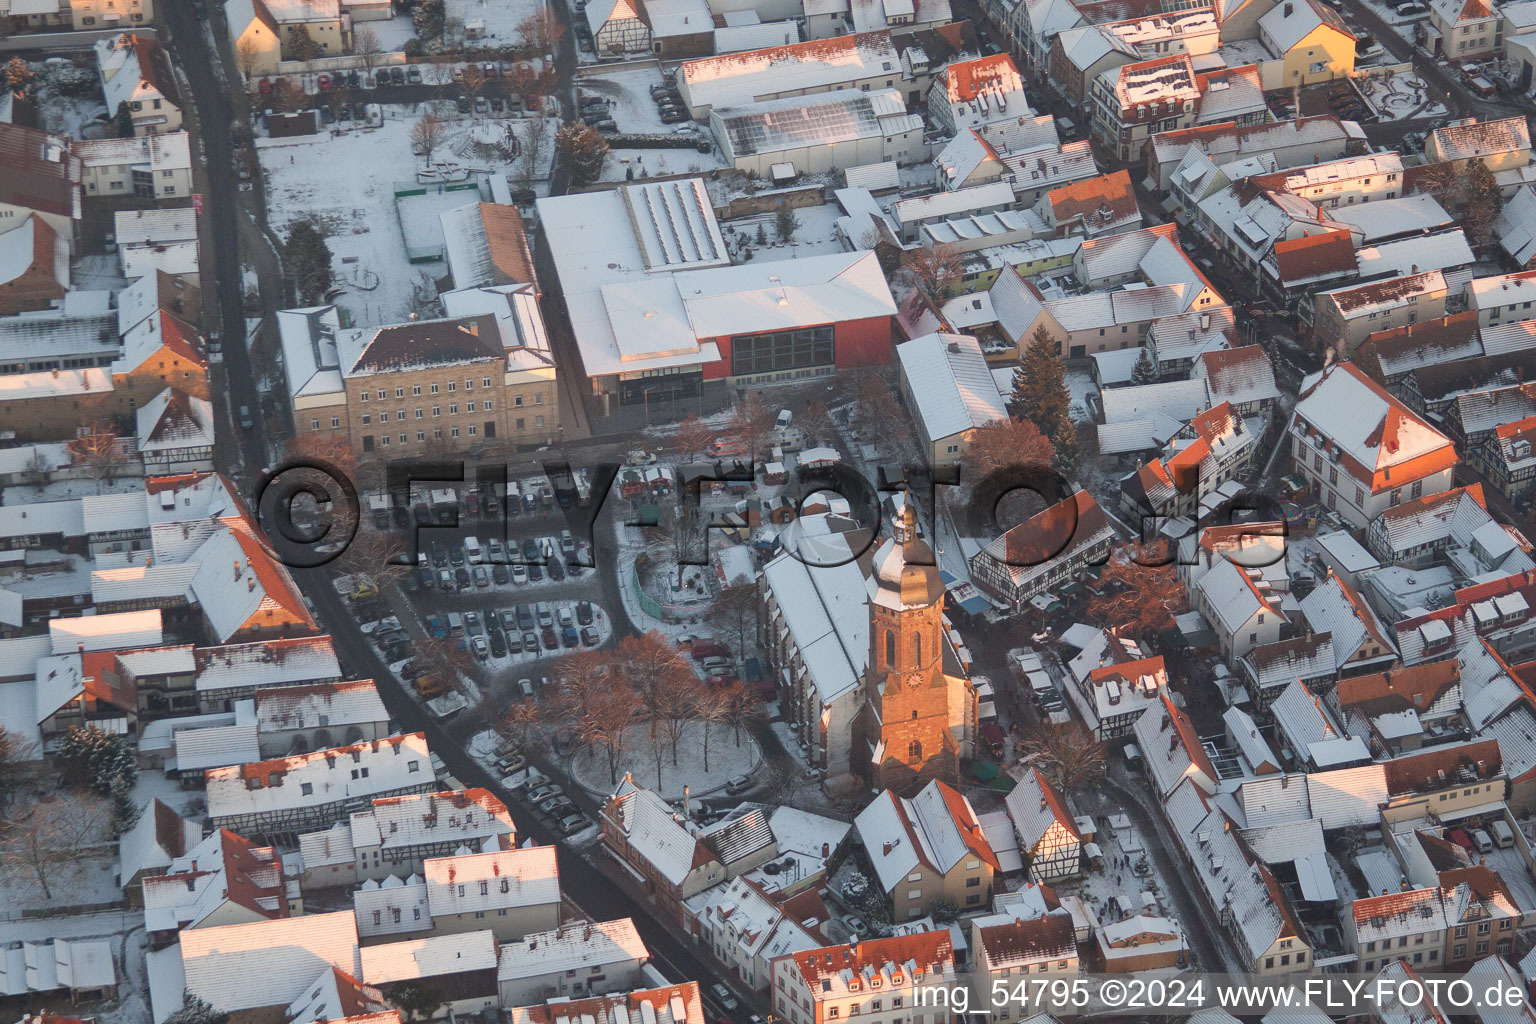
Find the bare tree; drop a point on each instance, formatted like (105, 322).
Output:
(57, 832)
(246, 56)
(533, 142)
(1006, 444)
(694, 437)
(17, 754)
(366, 45)
(1140, 596)
(427, 133)
(738, 706)
(1066, 754)
(815, 422)
(523, 724)
(541, 31)
(750, 423)
(444, 657)
(938, 269)
(97, 449)
(598, 705)
(708, 709)
(377, 557)
(474, 82)
(733, 617)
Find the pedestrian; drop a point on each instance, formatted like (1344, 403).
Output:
(290, 158)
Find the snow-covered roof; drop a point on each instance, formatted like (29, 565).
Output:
(652, 831)
(156, 839)
(1516, 226)
(1390, 218)
(495, 880)
(950, 383)
(469, 818)
(583, 947)
(329, 705)
(826, 611)
(937, 829)
(733, 79)
(1288, 24)
(791, 123)
(308, 339)
(330, 776)
(266, 963)
(1371, 428)
(1232, 877)
(430, 957)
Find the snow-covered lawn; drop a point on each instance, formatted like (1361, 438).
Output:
(391, 34)
(654, 162)
(347, 180)
(1081, 385)
(726, 760)
(497, 20)
(814, 235)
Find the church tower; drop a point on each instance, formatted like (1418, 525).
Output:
(910, 705)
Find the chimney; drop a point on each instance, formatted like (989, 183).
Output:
(250, 585)
(687, 801)
(886, 849)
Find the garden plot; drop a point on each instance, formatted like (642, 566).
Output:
(648, 163)
(492, 24)
(391, 34)
(815, 234)
(1396, 97)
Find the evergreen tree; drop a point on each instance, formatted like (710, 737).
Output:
(784, 221)
(1146, 369)
(762, 235)
(124, 121)
(1481, 203)
(196, 1011)
(1040, 391)
(102, 761)
(309, 260)
(585, 149)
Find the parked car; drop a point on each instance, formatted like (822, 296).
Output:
(723, 996)
(509, 763)
(556, 570)
(461, 577)
(499, 574)
(542, 793)
(514, 642)
(550, 640)
(531, 642)
(607, 124)
(571, 824)
(740, 784)
(519, 574)
(413, 75)
(498, 643)
(584, 613)
(590, 637)
(535, 573)
(525, 687)
(482, 577)
(323, 82)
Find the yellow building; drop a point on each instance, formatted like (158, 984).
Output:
(111, 13)
(264, 32)
(1310, 43)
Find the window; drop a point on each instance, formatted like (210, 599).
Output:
(972, 883)
(485, 887)
(437, 410)
(469, 407)
(453, 386)
(399, 392)
(538, 423)
(362, 396)
(306, 789)
(433, 388)
(453, 410)
(915, 751)
(485, 382)
(335, 422)
(776, 350)
(416, 389)
(413, 766)
(418, 412)
(383, 394)
(314, 424)
(917, 649)
(517, 401)
(367, 419)
(486, 405)
(538, 398)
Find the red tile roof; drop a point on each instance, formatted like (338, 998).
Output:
(1313, 256)
(925, 949)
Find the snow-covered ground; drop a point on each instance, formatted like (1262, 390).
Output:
(726, 759)
(649, 163)
(335, 177)
(498, 21)
(391, 34)
(1081, 385)
(815, 234)
(1398, 96)
(628, 93)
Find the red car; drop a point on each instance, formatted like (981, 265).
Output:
(323, 82)
(702, 649)
(264, 86)
(1460, 838)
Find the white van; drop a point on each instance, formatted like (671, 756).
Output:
(455, 624)
(375, 115)
(1481, 841)
(472, 551)
(1502, 833)
(786, 417)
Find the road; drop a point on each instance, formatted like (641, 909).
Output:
(210, 116)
